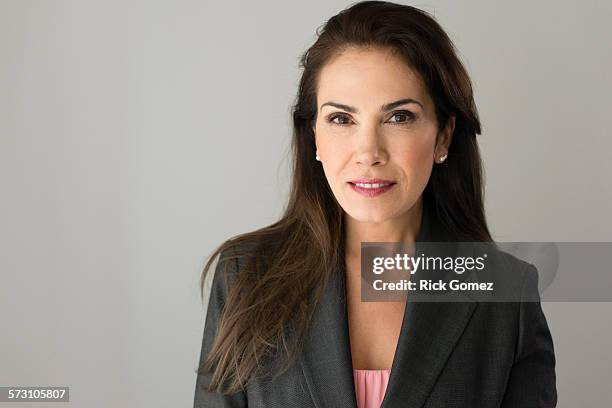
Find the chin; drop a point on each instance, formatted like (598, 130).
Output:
(369, 216)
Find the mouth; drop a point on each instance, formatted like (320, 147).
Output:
(372, 183)
(371, 187)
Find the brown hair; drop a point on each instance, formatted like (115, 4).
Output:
(269, 305)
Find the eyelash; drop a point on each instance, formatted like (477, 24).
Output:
(411, 117)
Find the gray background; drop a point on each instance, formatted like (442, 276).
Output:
(138, 135)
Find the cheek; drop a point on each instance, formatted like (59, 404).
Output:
(334, 155)
(415, 158)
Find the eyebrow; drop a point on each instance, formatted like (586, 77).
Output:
(384, 108)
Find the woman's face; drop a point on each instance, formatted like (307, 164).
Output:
(375, 120)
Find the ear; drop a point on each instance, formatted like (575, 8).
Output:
(446, 135)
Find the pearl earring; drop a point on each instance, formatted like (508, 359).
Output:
(317, 156)
(442, 158)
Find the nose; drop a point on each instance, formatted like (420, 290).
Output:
(369, 148)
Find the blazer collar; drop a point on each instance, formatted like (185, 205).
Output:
(428, 334)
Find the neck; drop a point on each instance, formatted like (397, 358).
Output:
(403, 229)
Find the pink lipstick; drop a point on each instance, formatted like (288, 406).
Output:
(371, 187)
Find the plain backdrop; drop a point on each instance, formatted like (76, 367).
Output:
(136, 136)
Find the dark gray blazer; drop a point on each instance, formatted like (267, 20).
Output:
(449, 354)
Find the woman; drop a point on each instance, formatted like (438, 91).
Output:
(384, 150)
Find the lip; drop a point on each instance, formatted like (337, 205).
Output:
(372, 192)
(372, 181)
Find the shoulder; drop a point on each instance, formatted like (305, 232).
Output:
(235, 259)
(514, 279)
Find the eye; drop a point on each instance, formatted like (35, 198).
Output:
(343, 119)
(403, 116)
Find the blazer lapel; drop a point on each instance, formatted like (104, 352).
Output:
(326, 359)
(429, 332)
(427, 337)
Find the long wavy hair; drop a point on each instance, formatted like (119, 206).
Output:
(287, 264)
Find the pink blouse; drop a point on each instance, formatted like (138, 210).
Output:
(370, 387)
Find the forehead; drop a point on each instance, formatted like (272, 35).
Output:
(369, 77)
